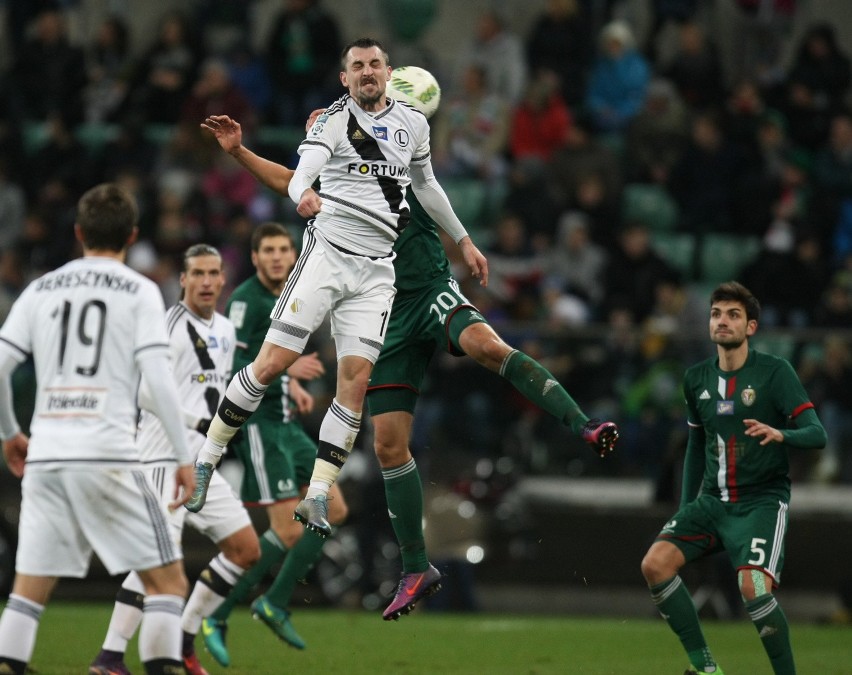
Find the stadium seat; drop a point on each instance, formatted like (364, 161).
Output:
(723, 256)
(678, 249)
(650, 205)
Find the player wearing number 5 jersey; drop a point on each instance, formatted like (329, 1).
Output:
(746, 411)
(367, 149)
(92, 327)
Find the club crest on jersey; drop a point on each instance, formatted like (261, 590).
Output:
(381, 133)
(724, 407)
(401, 137)
(748, 396)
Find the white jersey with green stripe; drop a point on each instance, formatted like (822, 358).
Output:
(767, 389)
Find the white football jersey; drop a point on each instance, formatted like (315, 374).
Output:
(202, 355)
(367, 173)
(84, 324)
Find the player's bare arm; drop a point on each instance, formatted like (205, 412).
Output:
(303, 399)
(307, 367)
(15, 453)
(229, 134)
(755, 428)
(475, 260)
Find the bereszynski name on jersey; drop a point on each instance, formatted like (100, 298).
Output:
(367, 173)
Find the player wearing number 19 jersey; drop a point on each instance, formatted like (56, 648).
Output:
(92, 327)
(747, 410)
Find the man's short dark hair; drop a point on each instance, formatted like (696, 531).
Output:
(363, 43)
(106, 215)
(734, 291)
(269, 229)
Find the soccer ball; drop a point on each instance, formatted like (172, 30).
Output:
(417, 87)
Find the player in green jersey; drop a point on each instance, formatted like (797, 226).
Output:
(276, 452)
(429, 312)
(746, 411)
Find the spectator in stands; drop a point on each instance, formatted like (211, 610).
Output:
(213, 93)
(499, 54)
(573, 272)
(743, 110)
(774, 177)
(832, 387)
(561, 39)
(792, 274)
(601, 207)
(249, 75)
(303, 60)
(657, 136)
(12, 279)
(61, 158)
(759, 35)
(832, 180)
(835, 306)
(704, 179)
(534, 206)
(472, 131)
(663, 12)
(109, 67)
(582, 155)
(808, 117)
(633, 272)
(695, 68)
(13, 206)
(822, 65)
(50, 72)
(164, 74)
(514, 268)
(542, 121)
(619, 80)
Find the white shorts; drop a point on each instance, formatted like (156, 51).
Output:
(223, 514)
(355, 290)
(68, 514)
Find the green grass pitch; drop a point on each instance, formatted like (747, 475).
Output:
(360, 642)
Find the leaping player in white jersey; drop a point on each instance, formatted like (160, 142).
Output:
(93, 326)
(366, 149)
(201, 345)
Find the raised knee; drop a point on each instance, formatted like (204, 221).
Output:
(654, 569)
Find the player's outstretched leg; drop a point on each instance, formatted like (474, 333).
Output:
(278, 620)
(411, 588)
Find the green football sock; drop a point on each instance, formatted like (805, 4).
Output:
(404, 494)
(299, 562)
(272, 552)
(676, 607)
(771, 624)
(536, 383)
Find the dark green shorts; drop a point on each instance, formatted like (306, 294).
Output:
(753, 532)
(278, 459)
(420, 323)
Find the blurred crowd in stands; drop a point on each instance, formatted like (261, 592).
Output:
(611, 182)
